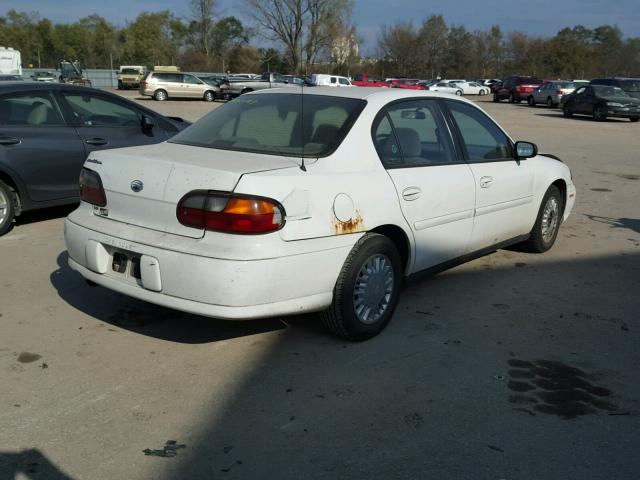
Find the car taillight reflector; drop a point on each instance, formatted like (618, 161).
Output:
(91, 190)
(225, 212)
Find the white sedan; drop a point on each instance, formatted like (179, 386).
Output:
(259, 210)
(473, 88)
(447, 87)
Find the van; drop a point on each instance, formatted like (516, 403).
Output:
(163, 85)
(323, 80)
(10, 61)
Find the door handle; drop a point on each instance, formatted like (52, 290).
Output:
(411, 193)
(486, 182)
(9, 141)
(97, 141)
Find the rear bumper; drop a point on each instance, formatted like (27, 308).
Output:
(199, 284)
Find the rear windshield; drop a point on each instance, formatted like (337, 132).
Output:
(630, 85)
(529, 80)
(276, 124)
(130, 71)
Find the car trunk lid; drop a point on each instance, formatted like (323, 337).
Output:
(144, 185)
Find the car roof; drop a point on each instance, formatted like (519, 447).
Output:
(364, 93)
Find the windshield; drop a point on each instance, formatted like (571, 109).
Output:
(607, 91)
(630, 85)
(273, 124)
(129, 71)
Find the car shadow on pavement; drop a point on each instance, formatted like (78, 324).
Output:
(29, 464)
(146, 318)
(632, 224)
(518, 370)
(44, 214)
(583, 118)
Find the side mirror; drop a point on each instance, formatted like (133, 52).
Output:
(147, 124)
(526, 150)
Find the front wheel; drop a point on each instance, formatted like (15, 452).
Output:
(459, 93)
(495, 98)
(634, 119)
(367, 290)
(550, 103)
(545, 230)
(7, 210)
(566, 110)
(209, 96)
(531, 101)
(598, 114)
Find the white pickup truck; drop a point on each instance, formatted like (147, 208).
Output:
(268, 80)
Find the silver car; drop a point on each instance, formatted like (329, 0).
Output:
(551, 93)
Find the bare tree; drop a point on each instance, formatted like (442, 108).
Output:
(203, 15)
(304, 27)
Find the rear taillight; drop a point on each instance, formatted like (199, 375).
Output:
(225, 212)
(145, 85)
(559, 92)
(91, 190)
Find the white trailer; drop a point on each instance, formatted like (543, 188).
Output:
(10, 61)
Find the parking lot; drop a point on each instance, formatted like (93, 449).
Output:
(463, 384)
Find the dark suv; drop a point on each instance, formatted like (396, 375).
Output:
(516, 88)
(630, 85)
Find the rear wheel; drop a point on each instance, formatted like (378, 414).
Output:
(512, 99)
(7, 210)
(366, 292)
(483, 92)
(209, 96)
(160, 95)
(531, 101)
(550, 103)
(545, 231)
(120, 85)
(634, 119)
(459, 93)
(495, 98)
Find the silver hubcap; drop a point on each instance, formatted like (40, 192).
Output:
(161, 95)
(4, 207)
(373, 289)
(550, 219)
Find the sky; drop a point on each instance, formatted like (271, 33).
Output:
(537, 17)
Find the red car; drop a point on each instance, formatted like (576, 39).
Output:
(408, 83)
(516, 88)
(362, 80)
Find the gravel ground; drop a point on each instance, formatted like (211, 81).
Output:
(513, 366)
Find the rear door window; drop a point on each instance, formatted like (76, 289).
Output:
(413, 133)
(34, 109)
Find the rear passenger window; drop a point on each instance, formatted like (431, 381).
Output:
(413, 133)
(343, 81)
(93, 111)
(35, 109)
(482, 138)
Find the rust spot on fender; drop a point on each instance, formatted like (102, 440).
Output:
(353, 225)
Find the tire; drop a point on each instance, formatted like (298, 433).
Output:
(598, 114)
(459, 93)
(531, 101)
(7, 208)
(209, 96)
(160, 95)
(495, 98)
(634, 119)
(541, 239)
(566, 110)
(341, 318)
(119, 86)
(512, 99)
(550, 103)
(482, 92)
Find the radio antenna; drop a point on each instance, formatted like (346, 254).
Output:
(302, 166)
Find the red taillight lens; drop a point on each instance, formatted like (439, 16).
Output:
(91, 190)
(224, 212)
(559, 92)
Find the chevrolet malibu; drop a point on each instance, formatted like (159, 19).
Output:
(323, 200)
